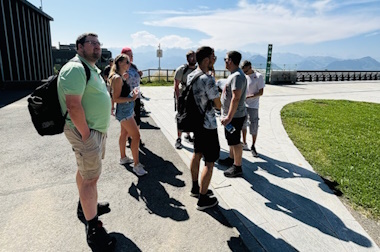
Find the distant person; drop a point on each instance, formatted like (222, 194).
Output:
(134, 78)
(124, 96)
(88, 105)
(233, 113)
(206, 141)
(180, 80)
(255, 89)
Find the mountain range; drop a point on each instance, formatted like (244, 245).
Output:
(146, 58)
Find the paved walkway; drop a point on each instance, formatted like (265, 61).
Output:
(280, 204)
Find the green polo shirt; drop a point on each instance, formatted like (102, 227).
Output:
(96, 100)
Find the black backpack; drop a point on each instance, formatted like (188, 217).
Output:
(44, 107)
(189, 118)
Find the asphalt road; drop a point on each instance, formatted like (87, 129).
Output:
(38, 195)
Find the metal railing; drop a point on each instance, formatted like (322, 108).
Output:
(309, 76)
(150, 75)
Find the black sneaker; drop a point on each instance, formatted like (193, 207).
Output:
(195, 193)
(233, 171)
(178, 143)
(254, 152)
(206, 202)
(103, 208)
(227, 161)
(99, 240)
(189, 139)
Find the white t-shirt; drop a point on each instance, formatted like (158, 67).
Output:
(255, 82)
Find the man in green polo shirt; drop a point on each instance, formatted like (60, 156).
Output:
(88, 104)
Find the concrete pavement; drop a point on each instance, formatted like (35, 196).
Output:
(38, 195)
(280, 204)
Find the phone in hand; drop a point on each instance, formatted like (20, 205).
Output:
(230, 128)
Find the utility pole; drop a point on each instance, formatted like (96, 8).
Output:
(41, 5)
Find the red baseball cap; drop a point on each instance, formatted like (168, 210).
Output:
(126, 49)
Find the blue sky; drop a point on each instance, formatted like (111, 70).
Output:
(341, 28)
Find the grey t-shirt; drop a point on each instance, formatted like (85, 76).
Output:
(205, 91)
(181, 75)
(235, 81)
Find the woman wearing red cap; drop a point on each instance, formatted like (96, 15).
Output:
(124, 96)
(134, 77)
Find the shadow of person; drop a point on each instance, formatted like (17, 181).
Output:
(305, 210)
(288, 170)
(265, 241)
(147, 125)
(293, 204)
(150, 190)
(123, 243)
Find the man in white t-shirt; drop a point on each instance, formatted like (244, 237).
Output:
(255, 89)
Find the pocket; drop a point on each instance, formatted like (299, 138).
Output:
(92, 142)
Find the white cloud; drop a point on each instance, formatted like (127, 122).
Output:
(144, 38)
(282, 23)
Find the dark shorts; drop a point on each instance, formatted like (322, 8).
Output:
(137, 111)
(234, 138)
(206, 141)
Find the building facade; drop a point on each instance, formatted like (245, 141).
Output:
(25, 47)
(64, 53)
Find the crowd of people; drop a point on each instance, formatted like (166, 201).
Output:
(89, 105)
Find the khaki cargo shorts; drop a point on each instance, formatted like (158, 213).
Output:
(89, 154)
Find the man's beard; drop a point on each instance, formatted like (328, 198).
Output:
(92, 56)
(192, 64)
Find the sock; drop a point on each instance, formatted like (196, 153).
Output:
(92, 224)
(202, 196)
(195, 186)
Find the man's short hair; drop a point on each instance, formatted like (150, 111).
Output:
(189, 53)
(235, 57)
(82, 38)
(245, 63)
(203, 52)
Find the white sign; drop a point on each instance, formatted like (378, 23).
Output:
(159, 53)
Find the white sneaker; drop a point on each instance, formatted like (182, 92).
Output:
(126, 160)
(245, 147)
(139, 170)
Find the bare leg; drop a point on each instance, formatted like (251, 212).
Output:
(133, 131)
(122, 140)
(194, 166)
(88, 195)
(238, 153)
(244, 131)
(206, 177)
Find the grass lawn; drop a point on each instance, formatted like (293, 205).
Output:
(341, 141)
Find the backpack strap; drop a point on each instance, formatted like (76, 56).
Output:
(86, 69)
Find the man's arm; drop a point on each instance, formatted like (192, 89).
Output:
(176, 88)
(260, 93)
(76, 112)
(217, 103)
(236, 94)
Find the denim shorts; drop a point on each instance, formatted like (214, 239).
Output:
(124, 111)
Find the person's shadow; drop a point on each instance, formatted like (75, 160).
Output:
(122, 242)
(292, 204)
(236, 219)
(150, 190)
